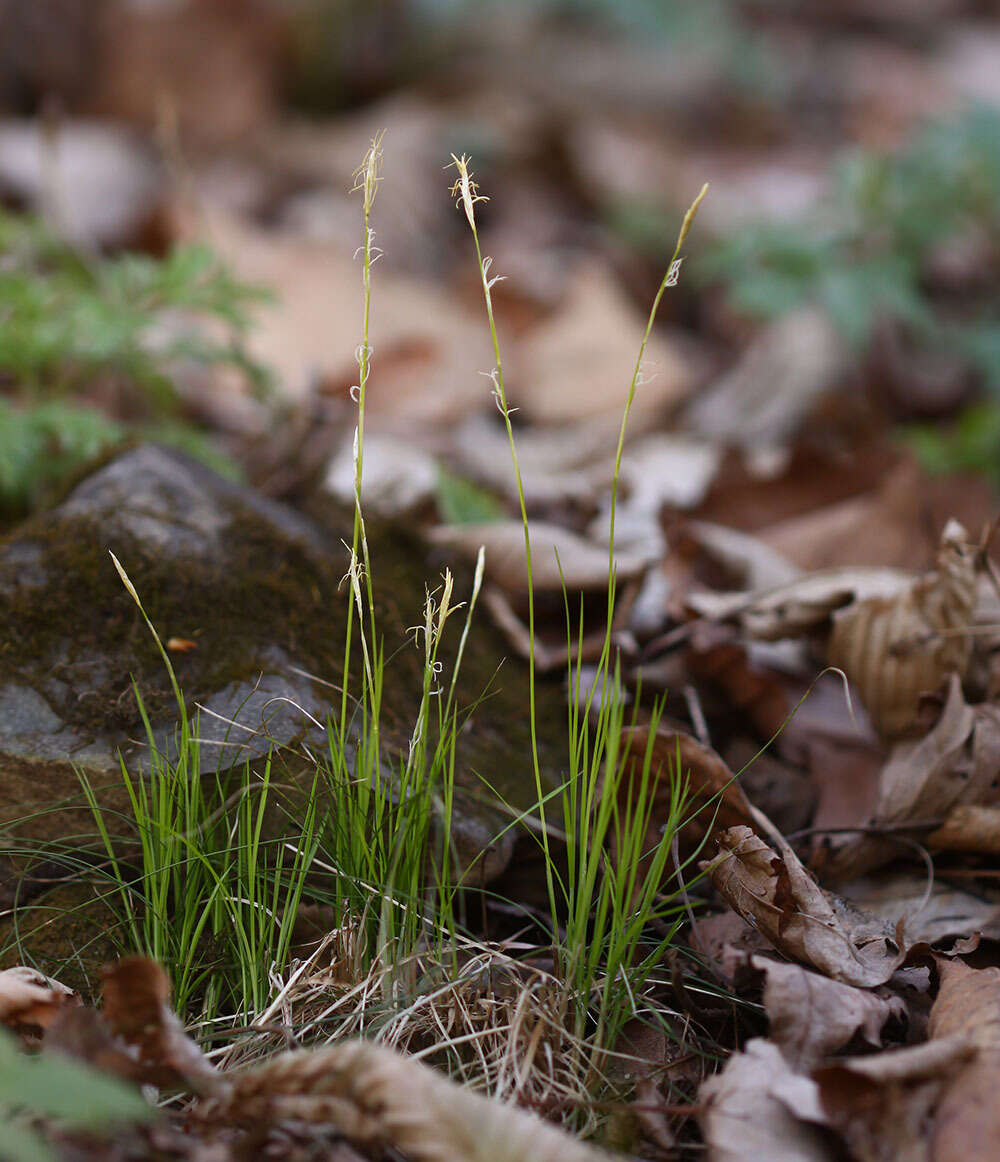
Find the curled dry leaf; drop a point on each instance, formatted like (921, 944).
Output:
(376, 1097)
(30, 1000)
(883, 1105)
(800, 606)
(925, 911)
(759, 1108)
(895, 649)
(812, 1016)
(954, 764)
(136, 995)
(773, 891)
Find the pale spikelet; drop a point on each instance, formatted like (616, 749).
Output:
(125, 580)
(895, 649)
(378, 1098)
(465, 190)
(369, 173)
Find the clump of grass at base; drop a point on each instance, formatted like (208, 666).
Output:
(75, 327)
(207, 895)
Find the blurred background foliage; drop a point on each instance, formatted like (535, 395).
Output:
(100, 344)
(84, 338)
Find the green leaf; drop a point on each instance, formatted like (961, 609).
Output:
(460, 502)
(20, 1144)
(57, 1087)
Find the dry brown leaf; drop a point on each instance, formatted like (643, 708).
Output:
(801, 606)
(883, 1104)
(884, 526)
(640, 1058)
(29, 999)
(578, 364)
(425, 362)
(969, 828)
(926, 912)
(759, 1108)
(714, 654)
(968, 1003)
(812, 1016)
(967, 1119)
(775, 893)
(955, 764)
(136, 995)
(558, 556)
(894, 650)
(378, 1098)
(934, 1102)
(727, 941)
(716, 800)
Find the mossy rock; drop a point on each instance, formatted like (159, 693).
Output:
(257, 587)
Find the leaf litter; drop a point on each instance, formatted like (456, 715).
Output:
(765, 534)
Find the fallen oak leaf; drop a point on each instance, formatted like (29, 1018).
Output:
(883, 1104)
(773, 891)
(967, 1118)
(925, 912)
(969, 828)
(798, 607)
(895, 635)
(715, 798)
(933, 1102)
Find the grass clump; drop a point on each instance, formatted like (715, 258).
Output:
(85, 338)
(212, 898)
(613, 892)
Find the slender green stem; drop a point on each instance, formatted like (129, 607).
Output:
(466, 191)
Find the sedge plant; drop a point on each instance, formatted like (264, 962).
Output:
(386, 836)
(211, 890)
(608, 799)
